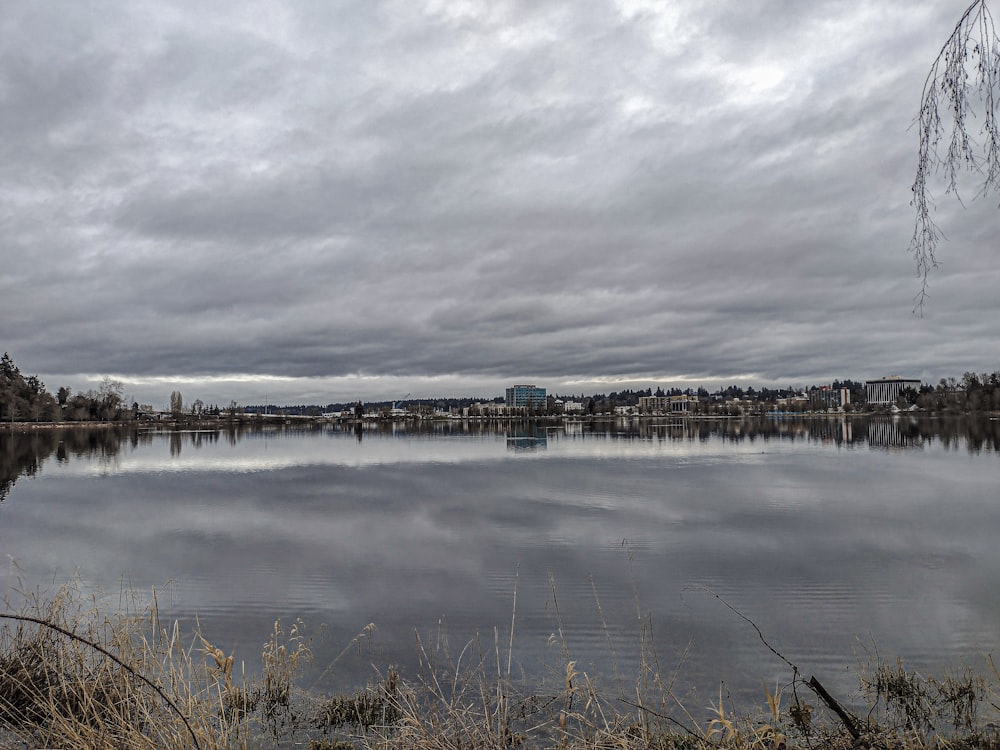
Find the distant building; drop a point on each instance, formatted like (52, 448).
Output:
(666, 404)
(887, 390)
(831, 398)
(525, 396)
(792, 402)
(681, 404)
(488, 409)
(654, 404)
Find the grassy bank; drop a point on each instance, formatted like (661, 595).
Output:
(75, 675)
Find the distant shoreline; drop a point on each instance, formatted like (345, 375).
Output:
(244, 420)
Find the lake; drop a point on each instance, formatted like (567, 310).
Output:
(840, 539)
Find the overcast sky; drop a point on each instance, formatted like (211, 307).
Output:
(329, 200)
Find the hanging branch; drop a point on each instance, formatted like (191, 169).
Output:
(965, 72)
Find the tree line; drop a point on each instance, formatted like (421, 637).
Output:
(25, 399)
(973, 392)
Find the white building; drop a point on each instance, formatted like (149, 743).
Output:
(887, 390)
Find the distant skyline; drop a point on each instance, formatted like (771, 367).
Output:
(147, 394)
(313, 203)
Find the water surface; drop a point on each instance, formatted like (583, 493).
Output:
(837, 538)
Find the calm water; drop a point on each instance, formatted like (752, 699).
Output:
(839, 539)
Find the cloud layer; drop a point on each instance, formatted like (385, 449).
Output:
(336, 200)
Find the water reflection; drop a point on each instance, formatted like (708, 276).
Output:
(976, 435)
(25, 453)
(826, 532)
(527, 438)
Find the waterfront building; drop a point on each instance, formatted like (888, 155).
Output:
(829, 397)
(525, 396)
(654, 404)
(494, 409)
(666, 404)
(887, 390)
(681, 404)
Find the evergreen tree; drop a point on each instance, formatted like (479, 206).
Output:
(23, 399)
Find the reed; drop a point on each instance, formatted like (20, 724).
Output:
(77, 674)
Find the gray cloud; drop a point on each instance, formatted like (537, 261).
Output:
(427, 191)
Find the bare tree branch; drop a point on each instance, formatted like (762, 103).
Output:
(966, 73)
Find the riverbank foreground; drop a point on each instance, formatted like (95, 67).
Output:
(74, 674)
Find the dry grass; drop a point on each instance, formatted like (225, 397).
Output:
(63, 690)
(73, 676)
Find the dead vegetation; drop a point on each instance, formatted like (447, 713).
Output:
(74, 676)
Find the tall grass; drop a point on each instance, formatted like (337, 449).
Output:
(75, 674)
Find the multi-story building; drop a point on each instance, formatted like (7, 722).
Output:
(654, 404)
(887, 390)
(831, 398)
(525, 396)
(666, 404)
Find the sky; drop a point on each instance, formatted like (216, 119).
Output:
(310, 202)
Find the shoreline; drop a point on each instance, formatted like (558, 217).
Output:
(259, 420)
(245, 420)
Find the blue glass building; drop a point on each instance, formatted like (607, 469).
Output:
(520, 396)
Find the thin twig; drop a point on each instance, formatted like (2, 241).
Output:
(947, 84)
(813, 684)
(671, 719)
(731, 608)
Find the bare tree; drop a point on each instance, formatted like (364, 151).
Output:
(965, 75)
(111, 395)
